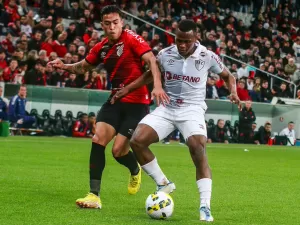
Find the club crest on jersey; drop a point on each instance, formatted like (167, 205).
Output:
(199, 64)
(120, 50)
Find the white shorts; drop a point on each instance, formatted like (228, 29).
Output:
(188, 120)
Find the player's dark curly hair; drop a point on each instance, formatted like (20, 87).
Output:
(110, 9)
(187, 25)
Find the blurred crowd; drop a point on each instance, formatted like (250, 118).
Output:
(33, 32)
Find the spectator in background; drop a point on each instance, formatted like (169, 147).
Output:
(3, 107)
(290, 68)
(243, 72)
(246, 119)
(218, 133)
(296, 48)
(211, 90)
(266, 94)
(223, 91)
(242, 91)
(3, 63)
(16, 110)
(36, 42)
(37, 75)
(263, 135)
(91, 124)
(71, 82)
(282, 92)
(81, 126)
(289, 131)
(9, 73)
(253, 132)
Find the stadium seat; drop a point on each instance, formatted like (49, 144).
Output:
(236, 128)
(211, 123)
(34, 113)
(58, 123)
(44, 121)
(67, 123)
(78, 115)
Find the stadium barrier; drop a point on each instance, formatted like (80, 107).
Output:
(84, 100)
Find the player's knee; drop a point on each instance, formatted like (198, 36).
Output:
(136, 142)
(118, 152)
(196, 144)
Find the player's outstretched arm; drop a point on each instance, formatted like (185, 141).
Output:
(146, 78)
(231, 84)
(77, 68)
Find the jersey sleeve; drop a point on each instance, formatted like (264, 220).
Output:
(216, 64)
(138, 45)
(159, 59)
(93, 56)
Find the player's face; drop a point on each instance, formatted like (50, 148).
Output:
(112, 25)
(85, 119)
(1, 91)
(185, 42)
(248, 104)
(23, 92)
(290, 126)
(221, 124)
(268, 128)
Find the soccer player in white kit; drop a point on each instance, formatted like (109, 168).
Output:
(185, 68)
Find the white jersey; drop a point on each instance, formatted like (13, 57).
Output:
(288, 133)
(185, 78)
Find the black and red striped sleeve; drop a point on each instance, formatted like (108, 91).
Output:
(93, 56)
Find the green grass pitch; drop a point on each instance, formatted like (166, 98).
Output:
(40, 179)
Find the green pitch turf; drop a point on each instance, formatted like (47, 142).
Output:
(40, 179)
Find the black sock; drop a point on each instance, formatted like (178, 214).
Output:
(97, 164)
(130, 162)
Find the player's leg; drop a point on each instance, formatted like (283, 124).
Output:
(125, 157)
(192, 126)
(131, 115)
(151, 130)
(107, 121)
(28, 121)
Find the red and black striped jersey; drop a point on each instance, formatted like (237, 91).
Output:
(122, 60)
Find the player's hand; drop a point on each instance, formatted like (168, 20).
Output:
(160, 95)
(234, 98)
(57, 64)
(120, 94)
(20, 121)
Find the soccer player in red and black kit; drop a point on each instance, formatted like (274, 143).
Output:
(121, 53)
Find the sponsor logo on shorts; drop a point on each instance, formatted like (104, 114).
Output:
(201, 126)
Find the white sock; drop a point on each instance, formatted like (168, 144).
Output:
(153, 170)
(204, 187)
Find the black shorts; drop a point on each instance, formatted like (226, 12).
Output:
(123, 116)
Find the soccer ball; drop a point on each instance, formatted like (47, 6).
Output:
(159, 205)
